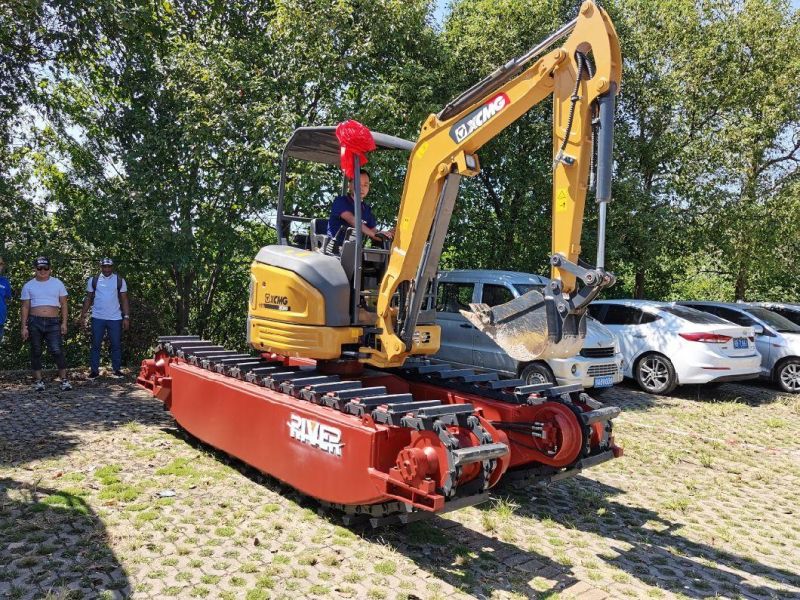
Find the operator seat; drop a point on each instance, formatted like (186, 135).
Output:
(318, 234)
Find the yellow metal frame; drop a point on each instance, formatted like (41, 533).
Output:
(437, 154)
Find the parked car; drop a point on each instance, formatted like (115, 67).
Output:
(599, 362)
(665, 345)
(777, 339)
(788, 311)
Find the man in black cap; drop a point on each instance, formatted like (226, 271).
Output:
(107, 294)
(44, 317)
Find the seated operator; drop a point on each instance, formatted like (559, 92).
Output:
(342, 214)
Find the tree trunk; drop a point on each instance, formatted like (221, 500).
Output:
(638, 284)
(184, 281)
(740, 289)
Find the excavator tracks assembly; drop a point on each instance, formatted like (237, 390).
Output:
(385, 445)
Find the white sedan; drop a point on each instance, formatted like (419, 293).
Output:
(664, 345)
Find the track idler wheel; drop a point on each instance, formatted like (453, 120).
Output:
(555, 433)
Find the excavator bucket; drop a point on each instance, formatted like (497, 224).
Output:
(530, 327)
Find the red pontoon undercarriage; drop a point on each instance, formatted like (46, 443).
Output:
(389, 445)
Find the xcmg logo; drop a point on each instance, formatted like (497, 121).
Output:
(326, 438)
(478, 118)
(275, 301)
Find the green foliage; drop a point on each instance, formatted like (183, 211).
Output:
(152, 133)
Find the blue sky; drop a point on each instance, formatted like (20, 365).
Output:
(441, 8)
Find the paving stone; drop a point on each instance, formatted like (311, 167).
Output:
(576, 588)
(702, 504)
(593, 594)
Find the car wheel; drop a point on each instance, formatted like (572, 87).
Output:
(788, 376)
(536, 373)
(655, 374)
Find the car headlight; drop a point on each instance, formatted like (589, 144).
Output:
(574, 369)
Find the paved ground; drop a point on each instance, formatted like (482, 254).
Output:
(100, 496)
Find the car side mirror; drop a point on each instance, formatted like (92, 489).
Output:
(758, 329)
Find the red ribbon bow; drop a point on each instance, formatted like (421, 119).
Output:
(354, 140)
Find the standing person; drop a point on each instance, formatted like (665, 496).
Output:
(107, 293)
(5, 297)
(43, 298)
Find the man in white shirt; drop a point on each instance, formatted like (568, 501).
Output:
(44, 317)
(107, 293)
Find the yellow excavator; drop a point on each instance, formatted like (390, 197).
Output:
(315, 303)
(341, 399)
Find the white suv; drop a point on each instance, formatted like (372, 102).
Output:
(667, 344)
(598, 364)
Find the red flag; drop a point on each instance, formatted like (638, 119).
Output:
(354, 139)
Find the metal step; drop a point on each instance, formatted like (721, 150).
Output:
(501, 384)
(195, 357)
(314, 393)
(366, 392)
(455, 373)
(193, 344)
(176, 338)
(239, 369)
(533, 388)
(363, 405)
(186, 349)
(478, 377)
(600, 415)
(339, 399)
(208, 362)
(435, 368)
(293, 387)
(395, 412)
(563, 389)
(446, 409)
(446, 414)
(273, 380)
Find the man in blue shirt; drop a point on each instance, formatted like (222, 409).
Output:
(342, 214)
(5, 296)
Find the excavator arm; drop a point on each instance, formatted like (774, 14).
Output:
(583, 76)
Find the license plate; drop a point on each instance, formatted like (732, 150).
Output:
(740, 343)
(600, 382)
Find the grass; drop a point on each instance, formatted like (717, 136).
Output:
(68, 501)
(386, 567)
(180, 467)
(695, 481)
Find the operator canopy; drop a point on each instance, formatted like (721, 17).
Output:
(319, 144)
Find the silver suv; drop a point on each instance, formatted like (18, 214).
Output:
(598, 365)
(777, 339)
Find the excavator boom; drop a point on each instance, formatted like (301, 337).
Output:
(583, 76)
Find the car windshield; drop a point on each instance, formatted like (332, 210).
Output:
(524, 288)
(774, 320)
(694, 316)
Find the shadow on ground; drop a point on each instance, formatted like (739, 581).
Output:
(462, 557)
(652, 550)
(42, 425)
(53, 545)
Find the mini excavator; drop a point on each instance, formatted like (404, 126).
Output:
(342, 399)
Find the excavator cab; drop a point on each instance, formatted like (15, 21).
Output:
(362, 265)
(314, 295)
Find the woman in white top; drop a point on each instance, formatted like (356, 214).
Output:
(44, 317)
